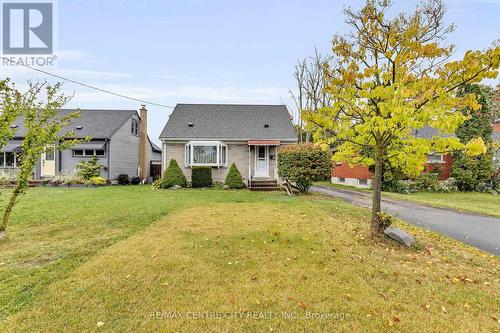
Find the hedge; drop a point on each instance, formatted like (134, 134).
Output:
(233, 178)
(201, 176)
(304, 164)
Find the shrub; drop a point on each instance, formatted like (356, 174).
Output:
(233, 178)
(216, 184)
(135, 180)
(304, 164)
(471, 173)
(429, 182)
(426, 182)
(89, 169)
(172, 176)
(201, 176)
(123, 179)
(97, 181)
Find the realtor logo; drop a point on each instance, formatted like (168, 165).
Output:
(27, 28)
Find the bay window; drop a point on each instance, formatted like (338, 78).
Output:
(205, 153)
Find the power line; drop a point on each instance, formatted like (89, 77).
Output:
(88, 85)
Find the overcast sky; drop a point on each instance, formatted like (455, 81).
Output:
(186, 51)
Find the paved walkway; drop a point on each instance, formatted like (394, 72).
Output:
(477, 230)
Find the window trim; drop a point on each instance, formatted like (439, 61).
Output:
(85, 155)
(441, 161)
(364, 180)
(4, 160)
(189, 150)
(134, 127)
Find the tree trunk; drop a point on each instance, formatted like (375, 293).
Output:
(8, 209)
(377, 191)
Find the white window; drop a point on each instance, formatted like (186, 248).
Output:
(8, 160)
(435, 158)
(205, 153)
(363, 182)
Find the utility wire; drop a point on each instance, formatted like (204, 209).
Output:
(88, 85)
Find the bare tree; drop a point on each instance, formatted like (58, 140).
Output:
(299, 96)
(311, 95)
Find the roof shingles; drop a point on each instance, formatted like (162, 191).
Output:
(98, 124)
(229, 122)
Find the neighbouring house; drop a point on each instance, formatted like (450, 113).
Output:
(495, 136)
(361, 176)
(119, 141)
(217, 135)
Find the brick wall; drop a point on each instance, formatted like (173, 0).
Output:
(343, 170)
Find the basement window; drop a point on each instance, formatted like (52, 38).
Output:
(341, 180)
(363, 182)
(205, 153)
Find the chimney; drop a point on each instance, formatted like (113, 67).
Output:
(143, 143)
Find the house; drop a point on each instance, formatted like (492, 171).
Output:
(495, 136)
(119, 141)
(217, 135)
(361, 176)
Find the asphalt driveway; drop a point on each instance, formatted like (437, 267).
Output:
(477, 230)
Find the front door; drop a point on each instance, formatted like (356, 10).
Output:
(48, 161)
(262, 161)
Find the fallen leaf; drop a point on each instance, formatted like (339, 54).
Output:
(396, 319)
(391, 323)
(154, 255)
(443, 309)
(302, 305)
(100, 324)
(127, 276)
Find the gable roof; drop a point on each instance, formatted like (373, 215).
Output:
(428, 132)
(229, 122)
(99, 124)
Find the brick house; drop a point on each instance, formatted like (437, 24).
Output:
(361, 176)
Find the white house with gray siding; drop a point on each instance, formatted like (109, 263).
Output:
(217, 135)
(117, 137)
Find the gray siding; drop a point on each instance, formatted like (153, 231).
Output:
(67, 162)
(124, 151)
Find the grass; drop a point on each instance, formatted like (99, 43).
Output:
(131, 259)
(481, 203)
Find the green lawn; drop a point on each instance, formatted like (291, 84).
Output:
(482, 203)
(119, 259)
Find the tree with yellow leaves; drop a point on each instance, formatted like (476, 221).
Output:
(389, 77)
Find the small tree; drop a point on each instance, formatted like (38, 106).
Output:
(304, 165)
(233, 178)
(9, 99)
(89, 169)
(44, 126)
(391, 76)
(173, 176)
(472, 171)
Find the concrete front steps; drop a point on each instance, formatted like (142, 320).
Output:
(264, 185)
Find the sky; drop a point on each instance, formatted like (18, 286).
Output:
(219, 51)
